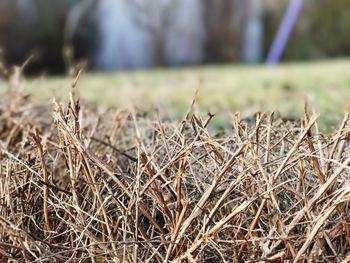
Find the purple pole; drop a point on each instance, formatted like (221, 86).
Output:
(284, 31)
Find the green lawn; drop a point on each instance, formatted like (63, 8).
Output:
(224, 88)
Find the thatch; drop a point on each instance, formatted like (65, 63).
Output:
(93, 185)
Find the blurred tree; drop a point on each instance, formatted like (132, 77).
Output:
(36, 28)
(174, 29)
(168, 32)
(321, 30)
(144, 33)
(252, 37)
(329, 20)
(80, 32)
(155, 17)
(16, 33)
(222, 30)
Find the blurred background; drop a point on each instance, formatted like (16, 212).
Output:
(157, 53)
(128, 34)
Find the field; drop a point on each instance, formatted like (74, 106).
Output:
(222, 89)
(81, 182)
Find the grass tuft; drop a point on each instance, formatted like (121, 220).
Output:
(87, 184)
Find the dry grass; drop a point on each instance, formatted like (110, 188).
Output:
(111, 185)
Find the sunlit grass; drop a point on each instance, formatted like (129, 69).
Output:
(225, 88)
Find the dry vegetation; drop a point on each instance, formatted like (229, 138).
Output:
(110, 185)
